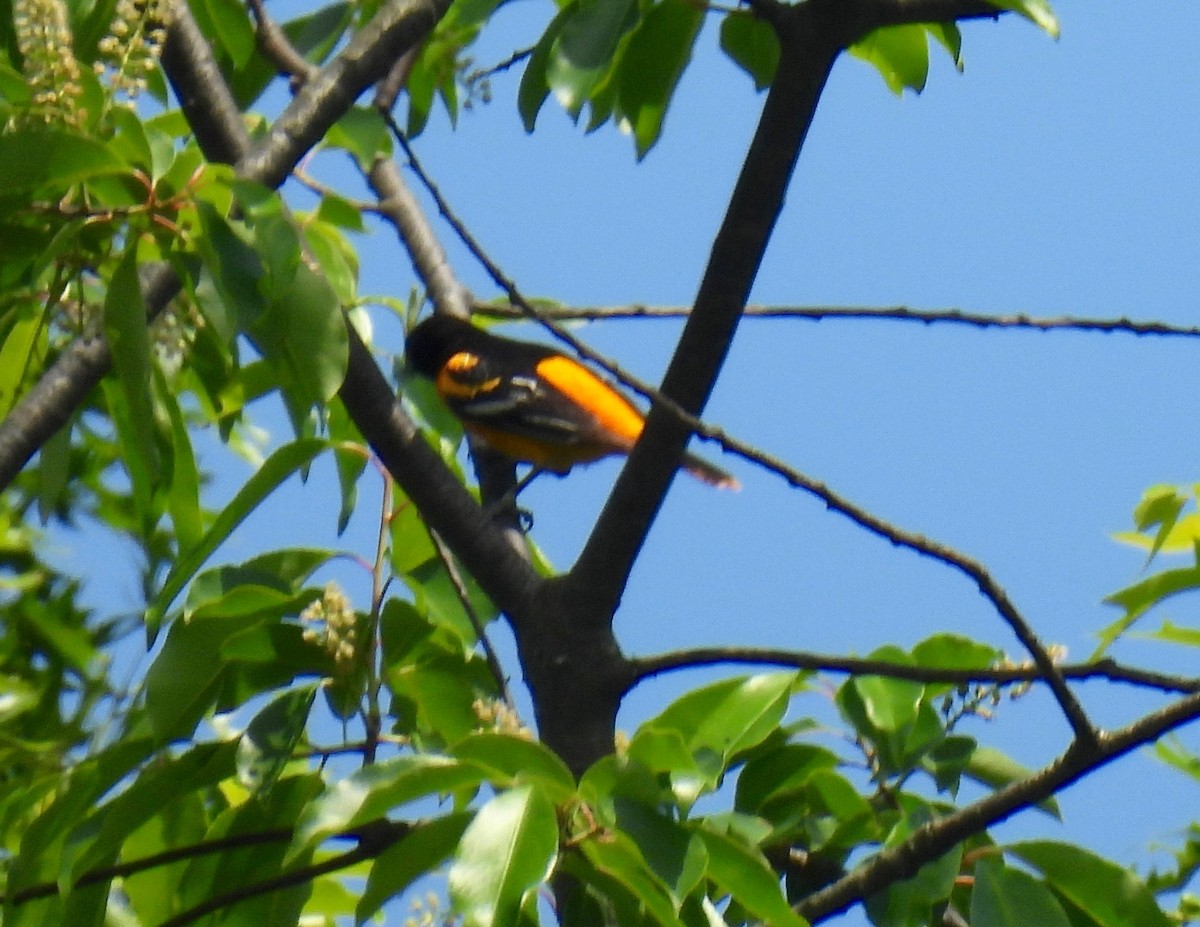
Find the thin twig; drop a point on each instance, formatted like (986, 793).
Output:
(1020, 320)
(973, 569)
(134, 866)
(366, 849)
(464, 597)
(644, 668)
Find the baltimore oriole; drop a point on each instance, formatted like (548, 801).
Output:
(530, 402)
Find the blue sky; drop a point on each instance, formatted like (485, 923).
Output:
(1051, 177)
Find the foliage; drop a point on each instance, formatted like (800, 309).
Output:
(205, 793)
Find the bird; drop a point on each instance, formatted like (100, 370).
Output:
(529, 402)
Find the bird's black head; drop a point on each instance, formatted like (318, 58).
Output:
(434, 341)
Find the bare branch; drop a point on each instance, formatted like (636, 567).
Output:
(973, 569)
(400, 207)
(134, 866)
(464, 599)
(274, 43)
(643, 668)
(939, 836)
(1021, 320)
(381, 835)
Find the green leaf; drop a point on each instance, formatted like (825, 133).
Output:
(437, 597)
(420, 852)
(183, 681)
(779, 773)
(269, 740)
(1004, 897)
(619, 859)
(372, 791)
(232, 29)
(1038, 12)
(350, 457)
(509, 849)
(54, 471)
(752, 44)
(899, 53)
(729, 716)
(52, 160)
(890, 704)
(183, 492)
(98, 838)
(1139, 598)
(676, 855)
(315, 343)
(1111, 895)
(275, 469)
(21, 355)
(1175, 634)
(949, 36)
(658, 51)
(16, 697)
(744, 873)
(582, 52)
(519, 759)
(363, 133)
(535, 85)
(129, 340)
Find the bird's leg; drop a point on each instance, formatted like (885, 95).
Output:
(509, 499)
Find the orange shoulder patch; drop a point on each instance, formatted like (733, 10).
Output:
(615, 414)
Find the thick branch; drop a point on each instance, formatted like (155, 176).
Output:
(808, 53)
(400, 207)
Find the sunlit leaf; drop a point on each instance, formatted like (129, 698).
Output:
(267, 744)
(373, 791)
(509, 849)
(899, 53)
(1039, 12)
(725, 717)
(523, 759)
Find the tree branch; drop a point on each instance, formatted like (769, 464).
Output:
(165, 858)
(939, 836)
(1021, 320)
(808, 53)
(643, 668)
(376, 838)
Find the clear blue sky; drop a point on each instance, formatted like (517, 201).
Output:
(1049, 178)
